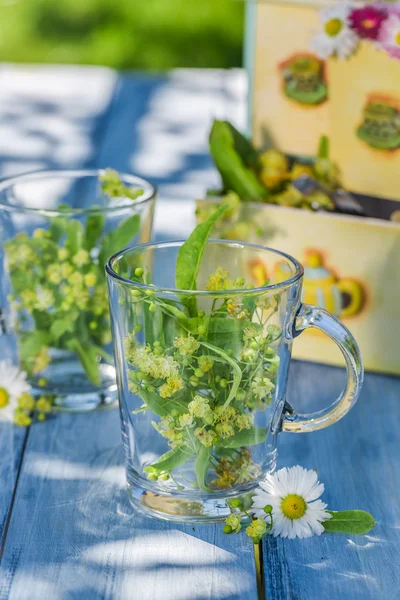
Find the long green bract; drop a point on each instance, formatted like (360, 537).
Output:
(237, 372)
(190, 255)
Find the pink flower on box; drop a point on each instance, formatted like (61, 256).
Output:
(367, 21)
(389, 34)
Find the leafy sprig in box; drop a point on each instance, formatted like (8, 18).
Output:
(351, 263)
(334, 69)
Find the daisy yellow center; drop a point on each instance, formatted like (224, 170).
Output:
(368, 23)
(397, 38)
(333, 27)
(293, 506)
(4, 397)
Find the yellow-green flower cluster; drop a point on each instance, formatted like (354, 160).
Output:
(112, 185)
(53, 284)
(58, 287)
(262, 387)
(220, 280)
(236, 469)
(257, 530)
(167, 428)
(186, 345)
(155, 370)
(210, 424)
(233, 523)
(204, 377)
(28, 406)
(236, 309)
(258, 527)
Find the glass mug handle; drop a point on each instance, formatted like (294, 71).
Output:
(313, 317)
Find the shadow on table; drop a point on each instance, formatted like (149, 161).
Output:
(74, 532)
(45, 134)
(357, 460)
(158, 128)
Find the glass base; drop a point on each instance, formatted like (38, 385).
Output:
(179, 509)
(191, 506)
(67, 383)
(86, 402)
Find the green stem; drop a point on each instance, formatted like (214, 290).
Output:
(107, 357)
(88, 358)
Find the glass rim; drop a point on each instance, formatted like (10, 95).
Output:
(149, 190)
(112, 274)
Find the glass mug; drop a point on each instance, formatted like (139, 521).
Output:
(202, 375)
(57, 230)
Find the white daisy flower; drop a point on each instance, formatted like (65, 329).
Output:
(336, 36)
(294, 496)
(12, 385)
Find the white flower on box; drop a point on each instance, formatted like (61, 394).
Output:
(336, 37)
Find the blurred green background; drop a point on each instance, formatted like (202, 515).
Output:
(125, 34)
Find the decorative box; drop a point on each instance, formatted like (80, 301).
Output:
(352, 96)
(314, 71)
(352, 269)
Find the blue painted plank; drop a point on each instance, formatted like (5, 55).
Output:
(48, 119)
(358, 461)
(158, 129)
(12, 440)
(74, 535)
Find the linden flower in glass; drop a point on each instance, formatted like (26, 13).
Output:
(294, 496)
(336, 36)
(13, 385)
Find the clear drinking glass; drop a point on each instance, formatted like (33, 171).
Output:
(202, 375)
(57, 229)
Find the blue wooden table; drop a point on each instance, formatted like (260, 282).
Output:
(66, 529)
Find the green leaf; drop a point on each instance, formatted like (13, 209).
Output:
(31, 342)
(190, 255)
(112, 185)
(237, 372)
(42, 319)
(158, 326)
(169, 306)
(153, 324)
(236, 175)
(172, 459)
(61, 326)
(349, 521)
(119, 238)
(244, 147)
(223, 331)
(323, 147)
(94, 228)
(57, 228)
(171, 329)
(22, 280)
(74, 236)
(246, 437)
(201, 465)
(191, 440)
(162, 406)
(249, 303)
